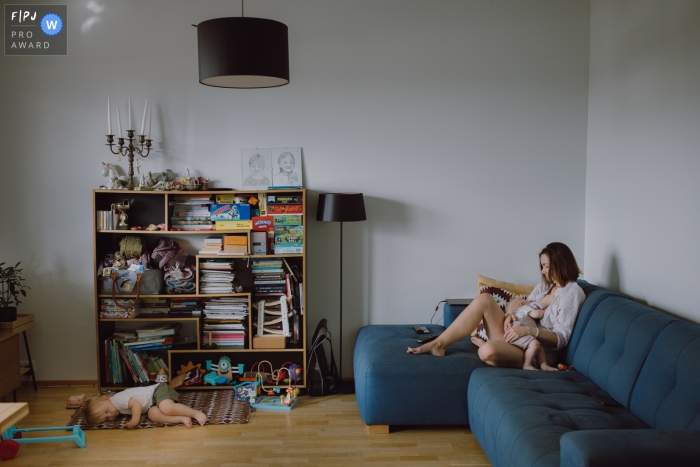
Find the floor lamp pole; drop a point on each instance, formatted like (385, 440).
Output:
(341, 308)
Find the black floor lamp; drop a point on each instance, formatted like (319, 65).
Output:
(341, 207)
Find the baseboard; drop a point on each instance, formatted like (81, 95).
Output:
(61, 383)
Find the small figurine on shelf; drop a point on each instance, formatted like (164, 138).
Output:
(114, 182)
(188, 181)
(203, 183)
(146, 183)
(164, 184)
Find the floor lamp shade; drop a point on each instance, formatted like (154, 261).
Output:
(341, 207)
(242, 52)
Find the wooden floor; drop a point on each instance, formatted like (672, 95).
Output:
(322, 431)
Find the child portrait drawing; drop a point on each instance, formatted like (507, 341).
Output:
(287, 170)
(256, 168)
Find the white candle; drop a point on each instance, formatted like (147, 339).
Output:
(129, 127)
(143, 120)
(150, 116)
(109, 118)
(119, 122)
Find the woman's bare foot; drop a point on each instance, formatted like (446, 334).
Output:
(546, 367)
(200, 417)
(530, 367)
(478, 341)
(187, 421)
(434, 348)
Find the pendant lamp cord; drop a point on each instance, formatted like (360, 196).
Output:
(242, 6)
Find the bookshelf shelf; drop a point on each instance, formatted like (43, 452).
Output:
(157, 207)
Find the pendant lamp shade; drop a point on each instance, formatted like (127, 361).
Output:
(242, 52)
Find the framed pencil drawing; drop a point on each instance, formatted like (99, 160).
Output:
(256, 164)
(286, 167)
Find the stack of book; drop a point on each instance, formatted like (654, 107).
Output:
(107, 220)
(154, 305)
(269, 278)
(217, 277)
(191, 214)
(156, 336)
(224, 322)
(212, 245)
(180, 306)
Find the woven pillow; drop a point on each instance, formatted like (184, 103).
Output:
(503, 292)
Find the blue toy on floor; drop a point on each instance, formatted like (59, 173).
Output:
(12, 438)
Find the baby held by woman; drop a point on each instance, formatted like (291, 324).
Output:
(523, 316)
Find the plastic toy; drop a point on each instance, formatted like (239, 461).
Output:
(12, 438)
(223, 371)
(284, 402)
(246, 391)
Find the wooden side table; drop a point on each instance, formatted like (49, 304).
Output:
(10, 371)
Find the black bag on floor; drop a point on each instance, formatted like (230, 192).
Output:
(322, 377)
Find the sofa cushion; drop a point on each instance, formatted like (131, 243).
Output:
(594, 296)
(519, 416)
(614, 343)
(667, 393)
(396, 388)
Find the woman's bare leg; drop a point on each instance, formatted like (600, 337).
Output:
(498, 352)
(483, 307)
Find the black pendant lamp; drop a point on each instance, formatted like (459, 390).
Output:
(240, 52)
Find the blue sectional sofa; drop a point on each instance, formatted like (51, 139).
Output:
(647, 361)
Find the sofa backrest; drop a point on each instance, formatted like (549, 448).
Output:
(666, 395)
(594, 295)
(613, 337)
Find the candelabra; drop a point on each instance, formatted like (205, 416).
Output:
(129, 151)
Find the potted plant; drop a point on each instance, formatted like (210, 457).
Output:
(10, 288)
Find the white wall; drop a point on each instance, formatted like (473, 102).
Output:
(462, 122)
(642, 190)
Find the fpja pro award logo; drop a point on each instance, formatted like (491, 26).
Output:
(36, 30)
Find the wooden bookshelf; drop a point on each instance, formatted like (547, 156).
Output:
(154, 207)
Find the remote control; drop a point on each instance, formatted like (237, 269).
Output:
(426, 339)
(421, 329)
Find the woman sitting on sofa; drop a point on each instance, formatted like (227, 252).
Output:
(558, 292)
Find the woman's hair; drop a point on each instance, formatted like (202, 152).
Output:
(255, 158)
(283, 155)
(562, 264)
(91, 409)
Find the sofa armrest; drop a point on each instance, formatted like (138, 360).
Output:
(641, 448)
(452, 308)
(450, 313)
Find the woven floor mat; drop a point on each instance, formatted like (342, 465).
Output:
(220, 406)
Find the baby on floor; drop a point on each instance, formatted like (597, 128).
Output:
(523, 316)
(158, 400)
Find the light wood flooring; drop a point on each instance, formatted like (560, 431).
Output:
(322, 431)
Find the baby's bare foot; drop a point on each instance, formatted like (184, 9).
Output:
(187, 421)
(529, 367)
(434, 348)
(200, 417)
(548, 368)
(478, 341)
